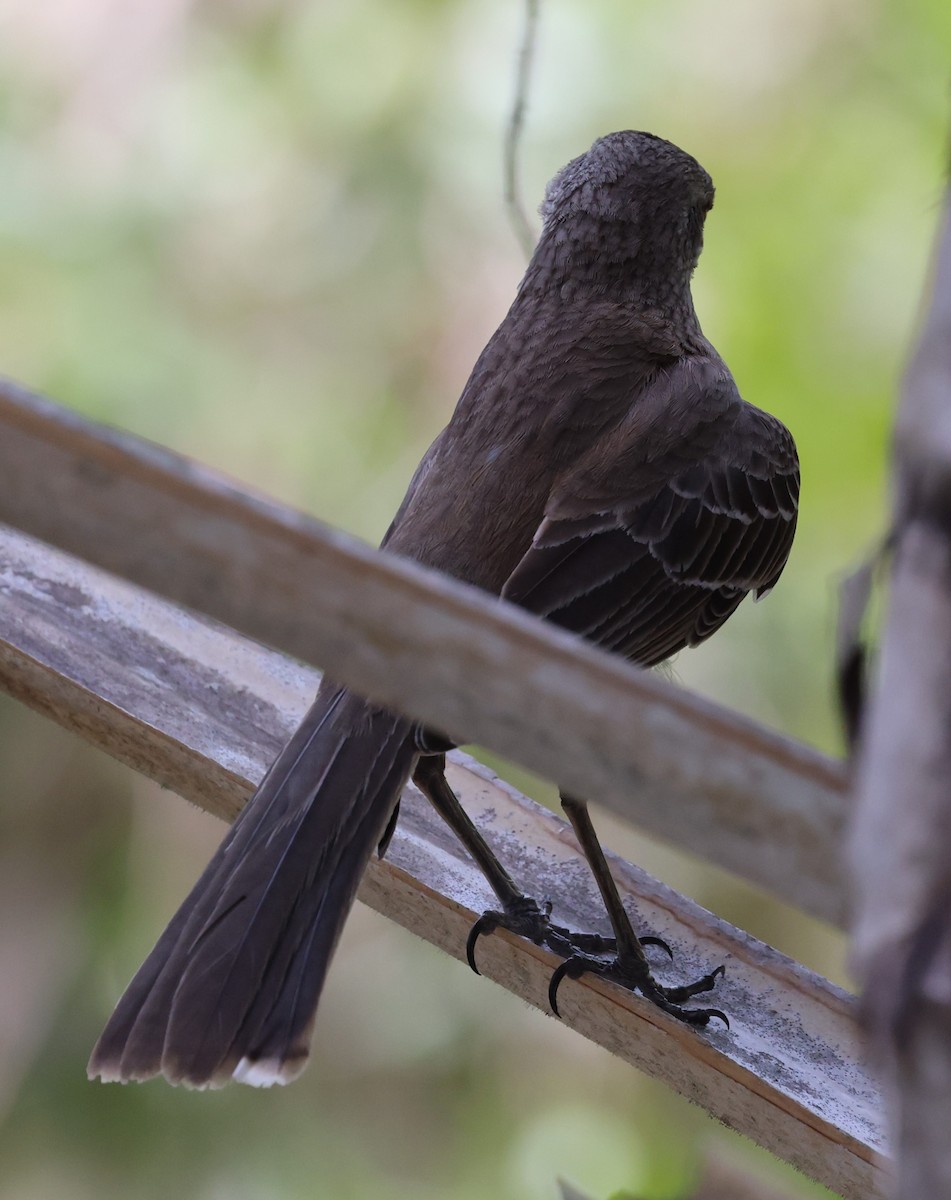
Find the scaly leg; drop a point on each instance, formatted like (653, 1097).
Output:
(629, 966)
(519, 913)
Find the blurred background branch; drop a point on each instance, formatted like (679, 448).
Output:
(901, 839)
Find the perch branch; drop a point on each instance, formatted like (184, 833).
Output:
(199, 708)
(690, 771)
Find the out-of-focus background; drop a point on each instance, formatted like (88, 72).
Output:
(269, 233)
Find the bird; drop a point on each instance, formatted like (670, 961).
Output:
(601, 471)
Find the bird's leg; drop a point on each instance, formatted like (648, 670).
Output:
(629, 966)
(518, 913)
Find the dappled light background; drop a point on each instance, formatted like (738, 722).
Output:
(269, 233)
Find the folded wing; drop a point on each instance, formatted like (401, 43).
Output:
(652, 541)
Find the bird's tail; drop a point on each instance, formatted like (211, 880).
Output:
(231, 988)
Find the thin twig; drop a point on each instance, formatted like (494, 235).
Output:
(521, 225)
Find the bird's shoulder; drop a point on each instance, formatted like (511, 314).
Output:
(691, 433)
(694, 480)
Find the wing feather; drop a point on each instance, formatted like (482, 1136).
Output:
(652, 542)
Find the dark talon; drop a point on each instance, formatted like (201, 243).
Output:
(487, 923)
(573, 968)
(526, 918)
(557, 976)
(676, 995)
(522, 917)
(699, 1016)
(656, 941)
(634, 976)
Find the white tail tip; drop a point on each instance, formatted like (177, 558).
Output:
(266, 1072)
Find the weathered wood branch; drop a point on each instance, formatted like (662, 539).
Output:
(201, 709)
(901, 842)
(737, 794)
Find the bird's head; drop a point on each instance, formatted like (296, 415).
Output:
(632, 198)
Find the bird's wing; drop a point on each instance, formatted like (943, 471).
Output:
(651, 541)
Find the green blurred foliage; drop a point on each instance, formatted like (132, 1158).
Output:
(270, 234)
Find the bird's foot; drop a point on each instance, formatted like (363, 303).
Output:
(633, 972)
(529, 919)
(524, 917)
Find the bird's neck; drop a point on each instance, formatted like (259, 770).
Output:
(636, 277)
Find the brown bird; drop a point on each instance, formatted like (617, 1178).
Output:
(600, 470)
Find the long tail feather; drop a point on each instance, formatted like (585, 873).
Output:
(231, 988)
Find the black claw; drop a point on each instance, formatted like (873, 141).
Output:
(573, 968)
(557, 976)
(487, 923)
(629, 971)
(698, 1016)
(656, 941)
(677, 995)
(522, 917)
(634, 975)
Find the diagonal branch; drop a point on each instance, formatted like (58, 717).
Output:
(202, 710)
(692, 772)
